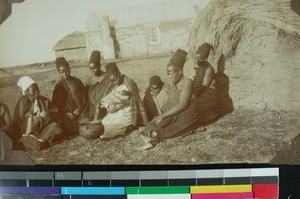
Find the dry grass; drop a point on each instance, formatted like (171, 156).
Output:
(223, 23)
(243, 136)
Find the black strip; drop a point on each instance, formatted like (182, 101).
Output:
(210, 181)
(31, 196)
(96, 183)
(12, 183)
(94, 196)
(237, 180)
(182, 182)
(40, 183)
(161, 182)
(67, 183)
(125, 183)
(265, 180)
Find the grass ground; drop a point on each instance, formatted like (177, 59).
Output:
(244, 136)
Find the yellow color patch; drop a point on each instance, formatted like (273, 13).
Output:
(221, 189)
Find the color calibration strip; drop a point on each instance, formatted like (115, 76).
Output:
(178, 184)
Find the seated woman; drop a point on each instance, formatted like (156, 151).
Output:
(179, 111)
(98, 86)
(70, 97)
(124, 115)
(204, 86)
(35, 122)
(153, 100)
(5, 118)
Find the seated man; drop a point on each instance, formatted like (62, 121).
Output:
(179, 112)
(130, 114)
(153, 100)
(98, 86)
(5, 118)
(204, 86)
(35, 122)
(70, 97)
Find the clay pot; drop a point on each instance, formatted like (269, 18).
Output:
(91, 130)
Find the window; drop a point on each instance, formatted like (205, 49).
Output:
(153, 35)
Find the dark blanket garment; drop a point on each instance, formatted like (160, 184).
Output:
(67, 97)
(150, 106)
(98, 88)
(174, 125)
(138, 113)
(20, 120)
(224, 101)
(206, 96)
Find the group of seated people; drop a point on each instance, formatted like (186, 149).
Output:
(169, 109)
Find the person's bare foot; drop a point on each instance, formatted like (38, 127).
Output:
(146, 139)
(142, 128)
(201, 129)
(146, 146)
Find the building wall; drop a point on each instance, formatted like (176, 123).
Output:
(93, 41)
(72, 54)
(133, 40)
(99, 40)
(174, 34)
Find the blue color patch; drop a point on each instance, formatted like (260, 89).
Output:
(93, 190)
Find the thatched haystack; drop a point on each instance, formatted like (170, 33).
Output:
(261, 42)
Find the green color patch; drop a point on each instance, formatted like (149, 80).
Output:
(158, 190)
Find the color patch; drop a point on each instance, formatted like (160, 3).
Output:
(221, 189)
(32, 196)
(93, 190)
(160, 196)
(158, 190)
(266, 191)
(94, 197)
(210, 181)
(154, 182)
(30, 190)
(223, 196)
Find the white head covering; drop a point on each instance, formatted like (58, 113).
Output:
(24, 82)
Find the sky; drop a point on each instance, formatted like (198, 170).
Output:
(28, 35)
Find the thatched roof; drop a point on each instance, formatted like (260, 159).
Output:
(222, 22)
(140, 14)
(71, 41)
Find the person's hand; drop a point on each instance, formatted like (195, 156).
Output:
(112, 109)
(44, 114)
(70, 116)
(77, 111)
(29, 114)
(158, 119)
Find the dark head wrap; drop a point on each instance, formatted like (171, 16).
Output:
(203, 52)
(178, 59)
(155, 80)
(61, 61)
(112, 68)
(95, 57)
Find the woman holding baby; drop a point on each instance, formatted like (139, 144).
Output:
(123, 104)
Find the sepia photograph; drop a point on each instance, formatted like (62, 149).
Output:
(149, 82)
